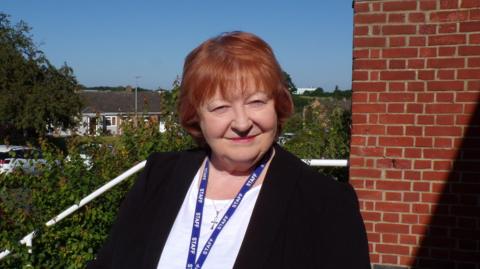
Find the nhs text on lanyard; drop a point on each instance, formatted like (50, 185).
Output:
(197, 220)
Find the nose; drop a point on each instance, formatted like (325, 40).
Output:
(241, 124)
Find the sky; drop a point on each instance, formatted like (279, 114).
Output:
(144, 43)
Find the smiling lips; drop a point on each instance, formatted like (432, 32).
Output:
(243, 138)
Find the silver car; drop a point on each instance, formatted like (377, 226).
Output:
(22, 158)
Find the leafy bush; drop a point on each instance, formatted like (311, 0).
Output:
(27, 202)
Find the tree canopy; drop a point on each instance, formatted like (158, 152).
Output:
(35, 96)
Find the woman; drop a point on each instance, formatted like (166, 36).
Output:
(240, 201)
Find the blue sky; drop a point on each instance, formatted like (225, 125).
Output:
(109, 43)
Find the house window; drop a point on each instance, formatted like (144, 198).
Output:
(111, 120)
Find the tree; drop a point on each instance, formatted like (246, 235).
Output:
(290, 85)
(34, 95)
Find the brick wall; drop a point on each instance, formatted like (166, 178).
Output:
(415, 151)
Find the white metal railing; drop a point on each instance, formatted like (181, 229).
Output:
(27, 240)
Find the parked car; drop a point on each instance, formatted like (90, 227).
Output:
(23, 158)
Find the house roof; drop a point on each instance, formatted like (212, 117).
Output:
(120, 102)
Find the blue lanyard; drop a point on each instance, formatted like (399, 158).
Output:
(197, 219)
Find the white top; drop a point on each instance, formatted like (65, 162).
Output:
(225, 250)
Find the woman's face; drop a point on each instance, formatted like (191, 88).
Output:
(241, 130)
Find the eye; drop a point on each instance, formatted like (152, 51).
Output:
(257, 102)
(219, 108)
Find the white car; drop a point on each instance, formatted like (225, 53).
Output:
(20, 158)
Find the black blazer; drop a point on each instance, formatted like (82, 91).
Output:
(301, 219)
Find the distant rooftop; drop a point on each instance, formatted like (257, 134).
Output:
(120, 102)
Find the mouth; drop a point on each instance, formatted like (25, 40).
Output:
(243, 139)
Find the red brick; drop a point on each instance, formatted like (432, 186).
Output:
(393, 196)
(374, 75)
(361, 53)
(428, 52)
(359, 75)
(468, 97)
(360, 30)
(395, 108)
(394, 152)
(359, 97)
(397, 41)
(474, 62)
(395, 141)
(368, 108)
(426, 75)
(425, 119)
(447, 40)
(368, 173)
(414, 86)
(420, 208)
(397, 75)
(423, 142)
(396, 97)
(392, 228)
(400, 5)
(452, 85)
(393, 174)
(443, 108)
(369, 42)
(408, 240)
(422, 164)
(416, 64)
(446, 74)
(367, 151)
(409, 219)
(421, 186)
(435, 175)
(447, 28)
(371, 216)
(443, 131)
(470, 3)
(414, 130)
(439, 153)
(361, 7)
(449, 16)
(469, 50)
(413, 153)
(469, 74)
(392, 185)
(396, 64)
(370, 18)
(445, 120)
(416, 41)
(474, 14)
(397, 119)
(444, 97)
(369, 86)
(396, 86)
(447, 51)
(448, 4)
(416, 17)
(414, 108)
(369, 64)
(392, 207)
(411, 197)
(395, 130)
(443, 142)
(427, 29)
(368, 129)
(446, 63)
(369, 195)
(469, 27)
(396, 17)
(399, 29)
(428, 5)
(400, 53)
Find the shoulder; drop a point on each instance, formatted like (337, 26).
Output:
(316, 188)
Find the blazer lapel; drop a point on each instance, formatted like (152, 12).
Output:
(170, 200)
(269, 211)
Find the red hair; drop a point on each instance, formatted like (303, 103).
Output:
(221, 64)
